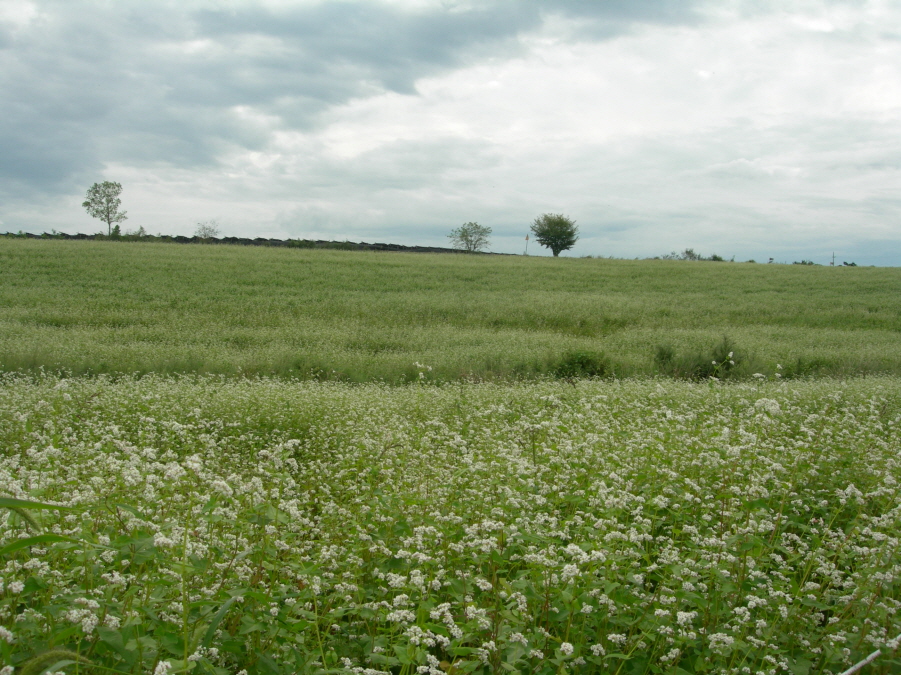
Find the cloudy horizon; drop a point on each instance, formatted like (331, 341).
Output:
(743, 128)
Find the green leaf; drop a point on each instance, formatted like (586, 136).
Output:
(131, 509)
(34, 541)
(52, 661)
(252, 627)
(217, 619)
(13, 503)
(403, 654)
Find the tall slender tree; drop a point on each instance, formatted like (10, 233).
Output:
(103, 202)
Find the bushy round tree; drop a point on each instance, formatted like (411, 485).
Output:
(556, 232)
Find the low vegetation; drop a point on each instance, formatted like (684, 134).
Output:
(90, 307)
(215, 525)
(257, 461)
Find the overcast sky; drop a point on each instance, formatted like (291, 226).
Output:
(752, 129)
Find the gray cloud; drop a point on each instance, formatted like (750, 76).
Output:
(88, 84)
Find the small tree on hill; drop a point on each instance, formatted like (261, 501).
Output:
(470, 237)
(207, 230)
(556, 232)
(103, 202)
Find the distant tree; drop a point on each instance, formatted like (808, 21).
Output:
(556, 232)
(208, 229)
(138, 234)
(103, 202)
(470, 237)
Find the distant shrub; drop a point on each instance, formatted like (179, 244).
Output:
(691, 254)
(207, 230)
(579, 364)
(720, 362)
(806, 367)
(665, 355)
(342, 246)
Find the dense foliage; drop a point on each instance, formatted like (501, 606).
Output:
(556, 232)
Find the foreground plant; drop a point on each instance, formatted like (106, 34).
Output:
(214, 526)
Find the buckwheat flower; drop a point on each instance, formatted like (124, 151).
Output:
(484, 584)
(536, 654)
(160, 540)
(670, 656)
(598, 650)
(520, 638)
(768, 405)
(163, 668)
(617, 638)
(685, 618)
(6, 635)
(401, 616)
(16, 587)
(720, 642)
(6, 670)
(566, 649)
(569, 572)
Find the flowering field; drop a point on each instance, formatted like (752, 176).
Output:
(216, 526)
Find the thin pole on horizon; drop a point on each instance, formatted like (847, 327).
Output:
(527, 245)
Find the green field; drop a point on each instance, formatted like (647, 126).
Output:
(93, 307)
(255, 461)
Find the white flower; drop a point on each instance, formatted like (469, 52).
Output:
(484, 584)
(566, 649)
(162, 668)
(672, 655)
(16, 587)
(720, 642)
(569, 572)
(685, 618)
(6, 635)
(768, 405)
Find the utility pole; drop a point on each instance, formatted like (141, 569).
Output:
(832, 264)
(527, 245)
